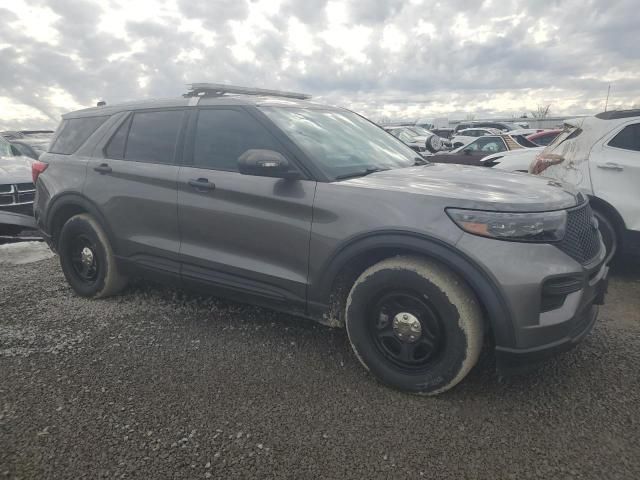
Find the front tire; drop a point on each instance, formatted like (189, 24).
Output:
(414, 324)
(87, 259)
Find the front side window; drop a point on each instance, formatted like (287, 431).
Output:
(222, 136)
(628, 138)
(153, 136)
(74, 132)
(487, 145)
(340, 142)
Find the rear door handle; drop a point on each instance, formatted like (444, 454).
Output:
(611, 166)
(103, 168)
(201, 184)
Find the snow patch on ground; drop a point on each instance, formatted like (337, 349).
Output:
(24, 252)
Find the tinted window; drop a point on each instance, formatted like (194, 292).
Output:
(153, 136)
(628, 138)
(115, 147)
(224, 135)
(545, 140)
(487, 145)
(74, 133)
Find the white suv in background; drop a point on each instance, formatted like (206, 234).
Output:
(601, 156)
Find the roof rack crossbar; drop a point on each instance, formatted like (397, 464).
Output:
(219, 89)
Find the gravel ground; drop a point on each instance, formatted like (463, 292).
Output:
(161, 384)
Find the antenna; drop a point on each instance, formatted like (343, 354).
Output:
(606, 103)
(220, 89)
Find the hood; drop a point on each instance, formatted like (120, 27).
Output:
(15, 170)
(523, 152)
(475, 187)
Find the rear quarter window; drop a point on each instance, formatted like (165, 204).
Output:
(74, 132)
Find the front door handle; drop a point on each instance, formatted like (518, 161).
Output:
(103, 168)
(611, 166)
(201, 184)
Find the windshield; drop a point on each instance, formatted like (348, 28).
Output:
(5, 148)
(340, 142)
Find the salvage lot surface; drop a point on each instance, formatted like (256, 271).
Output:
(160, 384)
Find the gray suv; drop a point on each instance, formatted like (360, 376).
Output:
(267, 198)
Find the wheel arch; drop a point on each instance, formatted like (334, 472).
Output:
(612, 214)
(66, 206)
(329, 291)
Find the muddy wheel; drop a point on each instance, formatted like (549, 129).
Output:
(414, 324)
(87, 259)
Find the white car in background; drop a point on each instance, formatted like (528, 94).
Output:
(468, 135)
(601, 156)
(513, 160)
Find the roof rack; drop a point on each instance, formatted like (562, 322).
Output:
(616, 114)
(220, 89)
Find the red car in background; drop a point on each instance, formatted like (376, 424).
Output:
(544, 138)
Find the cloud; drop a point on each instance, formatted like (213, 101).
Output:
(404, 59)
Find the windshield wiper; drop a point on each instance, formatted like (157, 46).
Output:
(360, 173)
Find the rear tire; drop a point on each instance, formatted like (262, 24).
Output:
(414, 324)
(87, 259)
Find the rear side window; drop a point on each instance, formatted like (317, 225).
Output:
(628, 138)
(74, 132)
(115, 147)
(152, 137)
(222, 136)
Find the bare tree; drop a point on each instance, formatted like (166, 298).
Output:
(541, 112)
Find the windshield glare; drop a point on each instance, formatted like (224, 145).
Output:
(341, 142)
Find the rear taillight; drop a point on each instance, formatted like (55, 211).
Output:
(544, 161)
(37, 168)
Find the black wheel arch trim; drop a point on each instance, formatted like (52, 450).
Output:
(599, 204)
(78, 200)
(479, 279)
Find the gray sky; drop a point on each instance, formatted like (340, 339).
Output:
(385, 58)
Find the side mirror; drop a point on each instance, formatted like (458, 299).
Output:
(266, 163)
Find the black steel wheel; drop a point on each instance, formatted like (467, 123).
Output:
(87, 259)
(414, 324)
(84, 258)
(407, 329)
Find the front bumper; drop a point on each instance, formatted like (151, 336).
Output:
(511, 361)
(550, 298)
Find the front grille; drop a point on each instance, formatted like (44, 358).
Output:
(16, 195)
(581, 240)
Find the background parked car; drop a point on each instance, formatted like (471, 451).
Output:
(472, 153)
(544, 137)
(36, 139)
(512, 160)
(502, 126)
(423, 144)
(468, 135)
(601, 156)
(16, 190)
(26, 150)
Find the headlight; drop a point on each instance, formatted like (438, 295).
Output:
(521, 227)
